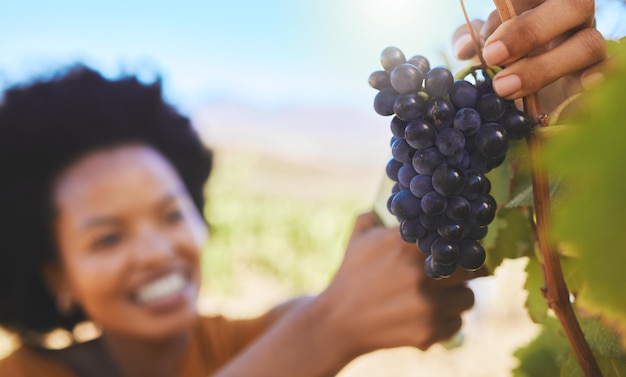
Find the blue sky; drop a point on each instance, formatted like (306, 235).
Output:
(271, 52)
(268, 53)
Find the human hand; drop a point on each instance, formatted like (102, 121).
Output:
(382, 298)
(549, 40)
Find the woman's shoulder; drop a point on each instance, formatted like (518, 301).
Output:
(27, 362)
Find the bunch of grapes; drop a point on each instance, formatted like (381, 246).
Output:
(447, 135)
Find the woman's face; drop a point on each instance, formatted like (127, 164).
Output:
(129, 237)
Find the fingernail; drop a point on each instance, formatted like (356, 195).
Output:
(463, 48)
(507, 85)
(495, 53)
(591, 80)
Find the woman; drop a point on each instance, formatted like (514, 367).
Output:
(101, 197)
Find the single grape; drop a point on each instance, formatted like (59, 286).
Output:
(479, 162)
(450, 141)
(461, 160)
(439, 82)
(397, 126)
(408, 106)
(440, 112)
(405, 205)
(441, 270)
(434, 203)
(448, 181)
(493, 163)
(391, 57)
(516, 123)
(406, 174)
(425, 242)
(467, 120)
(471, 255)
(491, 107)
(411, 230)
(402, 151)
(379, 80)
(476, 184)
(485, 87)
(384, 101)
(444, 251)
(392, 168)
(428, 268)
(396, 188)
(482, 210)
(425, 161)
(451, 231)
(421, 185)
(421, 63)
(420, 134)
(406, 78)
(463, 94)
(458, 208)
(432, 222)
(477, 232)
(491, 140)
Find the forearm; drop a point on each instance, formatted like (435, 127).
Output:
(301, 342)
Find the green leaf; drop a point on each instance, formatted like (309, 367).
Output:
(536, 303)
(509, 237)
(590, 158)
(543, 356)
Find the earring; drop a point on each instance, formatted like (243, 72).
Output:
(65, 304)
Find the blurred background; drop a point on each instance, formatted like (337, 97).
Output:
(279, 89)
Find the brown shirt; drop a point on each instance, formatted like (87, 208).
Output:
(216, 340)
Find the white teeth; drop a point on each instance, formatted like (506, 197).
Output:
(161, 288)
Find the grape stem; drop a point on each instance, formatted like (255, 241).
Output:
(555, 290)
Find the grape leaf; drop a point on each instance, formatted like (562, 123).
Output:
(509, 237)
(590, 158)
(535, 301)
(543, 356)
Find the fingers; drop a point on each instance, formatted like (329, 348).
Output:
(365, 222)
(536, 27)
(533, 73)
(452, 302)
(462, 41)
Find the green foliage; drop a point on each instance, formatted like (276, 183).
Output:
(590, 159)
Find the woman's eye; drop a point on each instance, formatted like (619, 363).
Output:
(173, 217)
(108, 241)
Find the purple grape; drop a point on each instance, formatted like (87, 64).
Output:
(428, 268)
(406, 174)
(458, 208)
(460, 160)
(379, 80)
(402, 151)
(392, 168)
(448, 181)
(477, 232)
(463, 94)
(444, 252)
(441, 270)
(384, 101)
(482, 210)
(397, 127)
(467, 121)
(440, 112)
(516, 124)
(471, 255)
(491, 107)
(450, 141)
(432, 222)
(408, 106)
(421, 185)
(451, 231)
(491, 140)
(406, 78)
(475, 184)
(439, 82)
(411, 230)
(434, 203)
(420, 134)
(391, 57)
(405, 205)
(425, 161)
(425, 242)
(421, 63)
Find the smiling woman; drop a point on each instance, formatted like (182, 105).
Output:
(102, 193)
